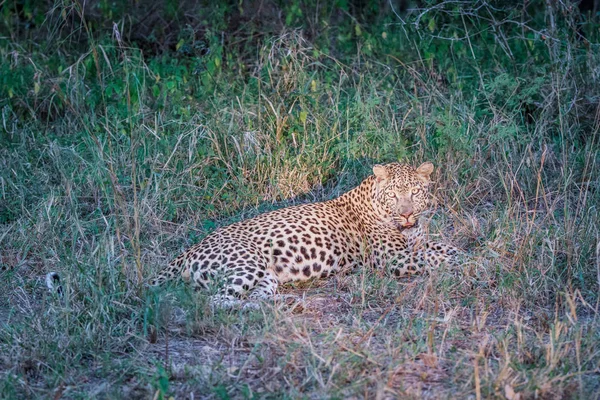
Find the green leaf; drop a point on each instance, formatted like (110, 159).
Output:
(303, 115)
(431, 25)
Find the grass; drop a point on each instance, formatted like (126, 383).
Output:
(118, 153)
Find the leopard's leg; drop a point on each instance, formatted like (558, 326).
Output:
(266, 287)
(431, 255)
(233, 292)
(397, 257)
(265, 290)
(244, 275)
(436, 253)
(408, 262)
(226, 301)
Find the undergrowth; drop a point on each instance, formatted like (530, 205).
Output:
(130, 131)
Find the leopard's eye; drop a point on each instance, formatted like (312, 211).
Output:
(415, 191)
(391, 194)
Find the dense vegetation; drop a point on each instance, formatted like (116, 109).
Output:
(131, 129)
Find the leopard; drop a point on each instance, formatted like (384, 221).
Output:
(377, 224)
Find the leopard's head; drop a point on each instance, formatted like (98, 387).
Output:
(401, 192)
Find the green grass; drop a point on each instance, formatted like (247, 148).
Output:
(117, 155)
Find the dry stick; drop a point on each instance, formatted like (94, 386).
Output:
(537, 190)
(578, 334)
(167, 368)
(431, 332)
(477, 380)
(58, 393)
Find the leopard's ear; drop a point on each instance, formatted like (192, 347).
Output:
(425, 170)
(381, 172)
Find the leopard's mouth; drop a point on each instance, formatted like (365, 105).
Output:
(402, 222)
(405, 225)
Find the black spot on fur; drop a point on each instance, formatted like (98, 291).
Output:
(304, 252)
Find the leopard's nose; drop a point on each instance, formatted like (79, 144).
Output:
(406, 215)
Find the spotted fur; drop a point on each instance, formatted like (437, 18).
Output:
(375, 223)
